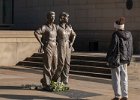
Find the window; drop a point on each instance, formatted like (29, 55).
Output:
(6, 12)
(129, 4)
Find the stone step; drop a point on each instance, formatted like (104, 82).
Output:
(86, 68)
(89, 63)
(34, 59)
(85, 64)
(136, 58)
(30, 63)
(88, 58)
(73, 67)
(37, 55)
(82, 64)
(92, 74)
(91, 56)
(90, 78)
(73, 62)
(78, 70)
(81, 57)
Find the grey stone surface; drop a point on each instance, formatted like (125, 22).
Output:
(108, 10)
(16, 46)
(90, 15)
(103, 38)
(11, 88)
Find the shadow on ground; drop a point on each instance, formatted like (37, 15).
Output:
(30, 97)
(78, 94)
(11, 87)
(72, 94)
(23, 69)
(38, 70)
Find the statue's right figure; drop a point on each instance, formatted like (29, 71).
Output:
(65, 38)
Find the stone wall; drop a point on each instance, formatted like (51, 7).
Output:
(98, 41)
(84, 14)
(1, 12)
(16, 46)
(93, 19)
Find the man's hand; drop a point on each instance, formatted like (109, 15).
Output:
(107, 64)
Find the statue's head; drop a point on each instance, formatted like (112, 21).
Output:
(51, 16)
(64, 17)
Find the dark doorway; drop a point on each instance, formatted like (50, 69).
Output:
(94, 46)
(6, 12)
(129, 4)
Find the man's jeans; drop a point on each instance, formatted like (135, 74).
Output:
(120, 81)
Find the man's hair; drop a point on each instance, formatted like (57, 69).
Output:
(120, 21)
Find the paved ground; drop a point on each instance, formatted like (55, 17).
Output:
(12, 79)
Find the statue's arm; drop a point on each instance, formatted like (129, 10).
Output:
(38, 33)
(38, 38)
(73, 36)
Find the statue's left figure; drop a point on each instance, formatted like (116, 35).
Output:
(46, 35)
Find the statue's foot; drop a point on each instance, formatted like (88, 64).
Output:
(48, 88)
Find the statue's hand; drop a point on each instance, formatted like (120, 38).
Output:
(40, 50)
(41, 44)
(72, 49)
(71, 45)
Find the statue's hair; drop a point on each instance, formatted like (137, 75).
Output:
(63, 14)
(50, 13)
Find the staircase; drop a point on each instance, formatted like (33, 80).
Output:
(83, 64)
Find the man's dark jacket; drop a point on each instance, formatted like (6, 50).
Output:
(122, 45)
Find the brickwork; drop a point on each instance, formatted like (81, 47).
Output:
(88, 15)
(16, 46)
(1, 11)
(102, 13)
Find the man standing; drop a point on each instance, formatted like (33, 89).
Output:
(48, 42)
(65, 39)
(119, 57)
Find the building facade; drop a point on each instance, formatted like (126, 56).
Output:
(6, 12)
(91, 19)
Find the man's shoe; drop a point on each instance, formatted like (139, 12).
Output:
(124, 98)
(116, 98)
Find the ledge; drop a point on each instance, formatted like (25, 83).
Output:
(16, 36)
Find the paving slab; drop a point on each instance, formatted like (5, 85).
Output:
(12, 78)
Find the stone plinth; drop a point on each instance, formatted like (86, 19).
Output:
(16, 46)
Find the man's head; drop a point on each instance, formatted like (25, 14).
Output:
(120, 23)
(64, 17)
(51, 16)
